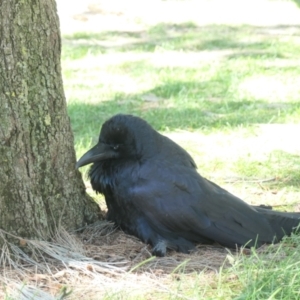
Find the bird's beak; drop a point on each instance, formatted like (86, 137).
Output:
(97, 153)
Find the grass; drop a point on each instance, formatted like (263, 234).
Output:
(228, 92)
(275, 275)
(207, 77)
(211, 79)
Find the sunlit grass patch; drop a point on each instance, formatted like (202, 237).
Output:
(224, 85)
(252, 79)
(282, 166)
(222, 80)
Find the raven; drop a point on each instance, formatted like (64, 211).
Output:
(154, 192)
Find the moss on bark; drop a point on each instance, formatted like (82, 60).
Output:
(39, 186)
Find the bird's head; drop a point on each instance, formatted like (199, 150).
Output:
(121, 137)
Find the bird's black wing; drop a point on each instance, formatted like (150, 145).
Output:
(176, 199)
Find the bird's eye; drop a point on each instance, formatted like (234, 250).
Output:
(115, 147)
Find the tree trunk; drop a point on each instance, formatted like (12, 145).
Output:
(39, 186)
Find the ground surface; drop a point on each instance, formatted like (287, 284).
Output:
(97, 263)
(272, 19)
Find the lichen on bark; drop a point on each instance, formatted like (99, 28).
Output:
(39, 185)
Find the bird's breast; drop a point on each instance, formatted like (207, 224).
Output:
(108, 176)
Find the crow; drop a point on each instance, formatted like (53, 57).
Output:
(154, 192)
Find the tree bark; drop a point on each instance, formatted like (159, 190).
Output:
(39, 186)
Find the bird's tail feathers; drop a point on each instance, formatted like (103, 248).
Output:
(283, 223)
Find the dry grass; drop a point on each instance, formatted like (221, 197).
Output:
(102, 263)
(97, 262)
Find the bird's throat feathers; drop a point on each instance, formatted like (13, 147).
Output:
(105, 175)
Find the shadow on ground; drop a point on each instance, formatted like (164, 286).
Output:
(254, 40)
(202, 113)
(297, 2)
(211, 104)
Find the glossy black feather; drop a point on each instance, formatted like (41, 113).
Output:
(153, 191)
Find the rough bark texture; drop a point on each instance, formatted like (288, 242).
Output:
(39, 186)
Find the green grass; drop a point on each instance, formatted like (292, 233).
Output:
(269, 273)
(250, 77)
(225, 86)
(281, 165)
(210, 78)
(273, 275)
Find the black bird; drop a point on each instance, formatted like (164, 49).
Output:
(153, 191)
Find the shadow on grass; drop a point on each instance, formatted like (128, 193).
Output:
(203, 114)
(187, 37)
(297, 2)
(190, 104)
